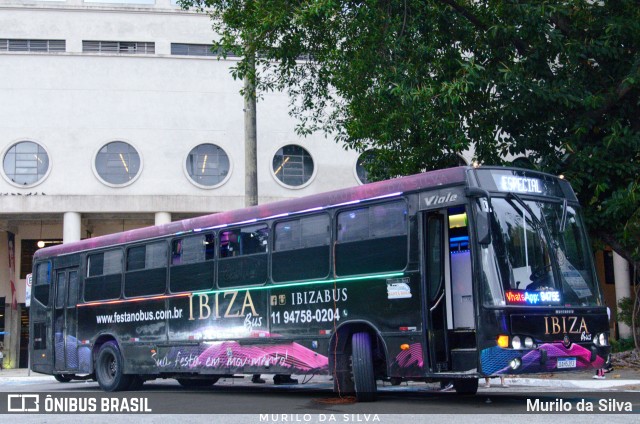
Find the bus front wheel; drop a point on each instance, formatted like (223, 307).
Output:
(110, 369)
(362, 367)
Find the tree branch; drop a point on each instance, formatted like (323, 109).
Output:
(615, 245)
(622, 89)
(466, 13)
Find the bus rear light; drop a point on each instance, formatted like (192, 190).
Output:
(408, 328)
(404, 346)
(503, 341)
(325, 332)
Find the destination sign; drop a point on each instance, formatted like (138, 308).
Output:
(518, 184)
(522, 182)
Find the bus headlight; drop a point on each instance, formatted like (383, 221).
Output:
(528, 342)
(515, 342)
(600, 340)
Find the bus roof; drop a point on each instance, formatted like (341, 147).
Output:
(353, 194)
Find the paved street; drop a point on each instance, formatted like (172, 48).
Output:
(237, 400)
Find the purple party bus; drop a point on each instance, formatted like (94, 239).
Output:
(450, 275)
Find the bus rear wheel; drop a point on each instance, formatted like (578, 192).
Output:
(362, 367)
(197, 382)
(110, 369)
(466, 386)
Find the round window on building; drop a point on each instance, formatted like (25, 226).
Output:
(26, 163)
(208, 165)
(293, 165)
(117, 163)
(361, 171)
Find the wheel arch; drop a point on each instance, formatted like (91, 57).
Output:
(340, 343)
(100, 341)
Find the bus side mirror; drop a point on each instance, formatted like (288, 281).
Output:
(483, 214)
(483, 228)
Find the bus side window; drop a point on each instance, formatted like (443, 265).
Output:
(146, 269)
(104, 275)
(301, 249)
(243, 258)
(229, 243)
(192, 263)
(372, 239)
(42, 284)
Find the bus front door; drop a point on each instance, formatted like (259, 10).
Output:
(65, 344)
(435, 265)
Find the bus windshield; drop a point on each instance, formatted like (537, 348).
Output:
(542, 254)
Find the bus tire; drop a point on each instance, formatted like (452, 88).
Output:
(466, 386)
(197, 382)
(110, 369)
(362, 367)
(62, 378)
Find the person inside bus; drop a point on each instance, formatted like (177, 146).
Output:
(176, 255)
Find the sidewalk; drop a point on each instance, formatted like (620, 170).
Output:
(619, 378)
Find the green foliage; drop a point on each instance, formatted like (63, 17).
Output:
(420, 81)
(625, 311)
(622, 345)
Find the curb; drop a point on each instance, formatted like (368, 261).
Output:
(574, 384)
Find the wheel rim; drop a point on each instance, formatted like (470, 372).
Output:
(110, 368)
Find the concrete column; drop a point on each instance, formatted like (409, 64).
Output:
(72, 225)
(163, 218)
(623, 288)
(11, 336)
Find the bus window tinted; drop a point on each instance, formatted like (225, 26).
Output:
(104, 275)
(150, 256)
(146, 270)
(105, 263)
(302, 233)
(244, 241)
(372, 239)
(378, 221)
(301, 250)
(42, 284)
(190, 250)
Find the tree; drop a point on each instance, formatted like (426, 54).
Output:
(419, 81)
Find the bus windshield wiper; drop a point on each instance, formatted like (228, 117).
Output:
(526, 207)
(563, 220)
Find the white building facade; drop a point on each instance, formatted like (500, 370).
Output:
(112, 118)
